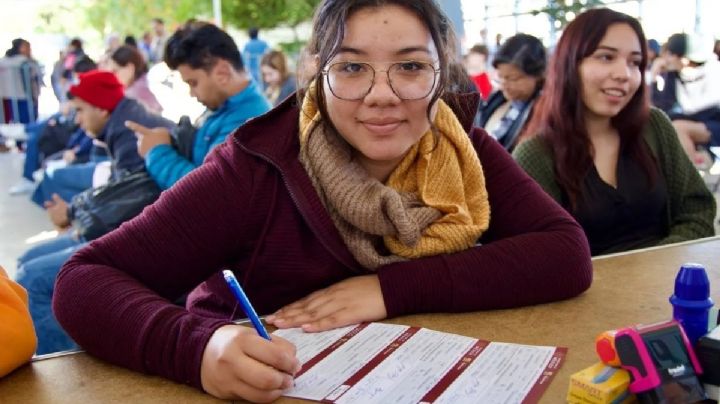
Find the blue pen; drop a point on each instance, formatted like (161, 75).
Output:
(245, 303)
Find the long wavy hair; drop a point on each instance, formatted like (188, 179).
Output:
(559, 117)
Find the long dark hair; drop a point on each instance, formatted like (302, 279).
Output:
(329, 32)
(525, 52)
(17, 43)
(126, 55)
(559, 117)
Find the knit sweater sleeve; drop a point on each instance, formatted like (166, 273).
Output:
(691, 206)
(535, 158)
(114, 296)
(533, 252)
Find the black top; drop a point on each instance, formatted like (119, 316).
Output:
(629, 217)
(521, 117)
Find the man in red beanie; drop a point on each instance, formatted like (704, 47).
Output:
(102, 110)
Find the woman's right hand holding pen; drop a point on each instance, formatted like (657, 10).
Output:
(238, 363)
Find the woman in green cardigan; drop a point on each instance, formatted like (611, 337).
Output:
(597, 147)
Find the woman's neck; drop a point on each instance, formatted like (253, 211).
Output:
(604, 147)
(598, 127)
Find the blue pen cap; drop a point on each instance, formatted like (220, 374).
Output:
(692, 287)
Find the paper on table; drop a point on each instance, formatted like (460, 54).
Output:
(385, 363)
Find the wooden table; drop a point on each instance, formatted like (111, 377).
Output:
(627, 289)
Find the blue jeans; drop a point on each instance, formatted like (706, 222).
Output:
(66, 182)
(32, 152)
(37, 270)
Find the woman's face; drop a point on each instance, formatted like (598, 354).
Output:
(270, 75)
(514, 83)
(381, 126)
(611, 75)
(125, 74)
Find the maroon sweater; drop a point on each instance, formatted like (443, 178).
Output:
(251, 207)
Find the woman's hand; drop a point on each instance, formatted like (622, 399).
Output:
(238, 363)
(350, 301)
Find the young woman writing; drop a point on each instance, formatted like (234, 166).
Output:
(366, 200)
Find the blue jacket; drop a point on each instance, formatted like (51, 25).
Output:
(166, 166)
(121, 141)
(252, 55)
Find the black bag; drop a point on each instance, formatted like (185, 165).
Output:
(97, 211)
(182, 137)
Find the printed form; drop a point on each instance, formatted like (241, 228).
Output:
(386, 363)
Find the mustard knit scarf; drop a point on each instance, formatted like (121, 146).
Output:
(434, 202)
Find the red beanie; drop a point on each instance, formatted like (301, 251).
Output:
(99, 88)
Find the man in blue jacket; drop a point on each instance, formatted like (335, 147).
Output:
(209, 61)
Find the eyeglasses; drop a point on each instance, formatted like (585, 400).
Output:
(409, 80)
(509, 80)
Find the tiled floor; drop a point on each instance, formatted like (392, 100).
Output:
(20, 220)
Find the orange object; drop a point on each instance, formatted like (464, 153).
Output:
(605, 348)
(17, 336)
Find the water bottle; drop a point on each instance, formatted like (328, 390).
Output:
(691, 300)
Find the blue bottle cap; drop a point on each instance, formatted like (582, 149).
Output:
(692, 286)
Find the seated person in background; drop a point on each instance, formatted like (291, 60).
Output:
(50, 136)
(70, 171)
(305, 68)
(279, 83)
(78, 149)
(459, 81)
(692, 84)
(101, 111)
(17, 336)
(599, 150)
(653, 48)
(79, 153)
(209, 61)
(475, 63)
(130, 68)
(369, 194)
(520, 68)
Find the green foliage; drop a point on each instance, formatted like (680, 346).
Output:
(125, 17)
(558, 9)
(132, 17)
(292, 48)
(267, 13)
(61, 18)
